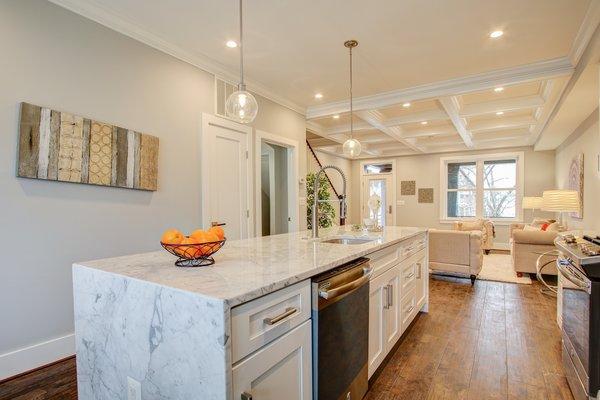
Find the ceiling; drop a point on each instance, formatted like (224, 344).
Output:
(435, 54)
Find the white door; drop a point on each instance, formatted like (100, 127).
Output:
(393, 325)
(226, 175)
(280, 370)
(377, 316)
(382, 186)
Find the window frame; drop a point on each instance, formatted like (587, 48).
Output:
(479, 161)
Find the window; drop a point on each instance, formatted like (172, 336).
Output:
(482, 187)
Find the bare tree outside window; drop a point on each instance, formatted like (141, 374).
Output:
(499, 189)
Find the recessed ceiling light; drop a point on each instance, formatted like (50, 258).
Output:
(336, 116)
(406, 105)
(496, 34)
(318, 96)
(232, 44)
(423, 122)
(500, 113)
(499, 89)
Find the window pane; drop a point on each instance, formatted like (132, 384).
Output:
(378, 168)
(461, 203)
(499, 203)
(500, 174)
(462, 175)
(377, 187)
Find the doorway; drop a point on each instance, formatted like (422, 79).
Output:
(226, 175)
(276, 184)
(379, 179)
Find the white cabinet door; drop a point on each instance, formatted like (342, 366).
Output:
(280, 370)
(392, 323)
(377, 316)
(422, 280)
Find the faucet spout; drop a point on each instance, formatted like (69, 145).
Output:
(315, 205)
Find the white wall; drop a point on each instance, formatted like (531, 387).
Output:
(425, 170)
(585, 139)
(346, 166)
(55, 58)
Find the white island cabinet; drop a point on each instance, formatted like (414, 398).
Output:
(398, 291)
(237, 330)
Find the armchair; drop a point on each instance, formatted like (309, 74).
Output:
(486, 227)
(527, 245)
(456, 252)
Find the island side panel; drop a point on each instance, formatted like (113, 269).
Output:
(175, 343)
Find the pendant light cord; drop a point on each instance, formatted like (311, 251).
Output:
(241, 50)
(351, 116)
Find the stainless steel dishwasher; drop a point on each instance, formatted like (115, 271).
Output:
(340, 318)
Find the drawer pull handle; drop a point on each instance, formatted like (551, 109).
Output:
(272, 321)
(390, 293)
(386, 305)
(246, 396)
(409, 276)
(409, 309)
(419, 270)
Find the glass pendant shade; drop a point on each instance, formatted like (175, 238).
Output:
(241, 106)
(352, 148)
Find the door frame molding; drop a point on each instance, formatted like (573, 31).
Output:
(206, 145)
(393, 188)
(293, 170)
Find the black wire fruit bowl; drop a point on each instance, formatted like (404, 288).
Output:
(194, 254)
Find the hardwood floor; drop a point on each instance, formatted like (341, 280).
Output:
(488, 341)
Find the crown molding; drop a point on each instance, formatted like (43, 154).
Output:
(487, 80)
(586, 31)
(111, 20)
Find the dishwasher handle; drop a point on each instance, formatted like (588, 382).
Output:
(340, 290)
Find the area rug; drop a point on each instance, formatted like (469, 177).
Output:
(498, 267)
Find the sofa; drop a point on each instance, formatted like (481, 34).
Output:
(528, 242)
(455, 252)
(486, 227)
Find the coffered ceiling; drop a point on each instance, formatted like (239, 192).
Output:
(437, 55)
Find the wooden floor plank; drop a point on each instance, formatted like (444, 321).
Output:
(487, 341)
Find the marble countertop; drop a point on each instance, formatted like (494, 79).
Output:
(250, 268)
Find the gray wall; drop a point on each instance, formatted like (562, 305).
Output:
(425, 169)
(586, 140)
(55, 58)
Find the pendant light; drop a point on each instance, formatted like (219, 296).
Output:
(241, 105)
(352, 147)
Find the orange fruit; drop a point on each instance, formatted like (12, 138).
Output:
(172, 236)
(198, 234)
(188, 251)
(205, 237)
(217, 230)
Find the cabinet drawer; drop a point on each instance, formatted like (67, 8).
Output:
(280, 370)
(414, 246)
(408, 308)
(410, 270)
(261, 321)
(384, 259)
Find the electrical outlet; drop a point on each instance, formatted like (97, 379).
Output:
(134, 389)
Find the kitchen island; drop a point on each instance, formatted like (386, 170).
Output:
(144, 326)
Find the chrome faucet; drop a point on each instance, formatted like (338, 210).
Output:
(315, 205)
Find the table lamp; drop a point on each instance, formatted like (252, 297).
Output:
(561, 201)
(533, 203)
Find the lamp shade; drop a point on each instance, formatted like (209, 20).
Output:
(533, 203)
(561, 200)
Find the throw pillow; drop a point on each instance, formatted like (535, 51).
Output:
(553, 227)
(530, 228)
(545, 226)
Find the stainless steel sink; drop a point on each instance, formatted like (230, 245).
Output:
(347, 241)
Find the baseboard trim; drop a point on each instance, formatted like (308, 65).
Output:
(35, 356)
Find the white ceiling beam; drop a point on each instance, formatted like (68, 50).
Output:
(516, 103)
(430, 115)
(502, 123)
(452, 107)
(487, 80)
(375, 118)
(437, 142)
(586, 32)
